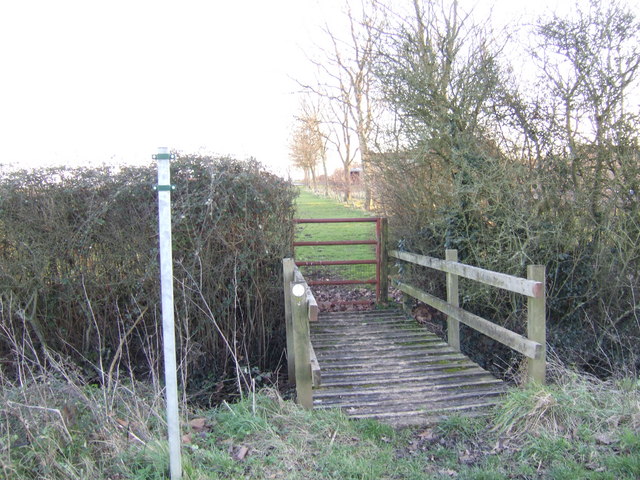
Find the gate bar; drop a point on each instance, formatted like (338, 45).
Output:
(335, 242)
(335, 220)
(336, 262)
(342, 282)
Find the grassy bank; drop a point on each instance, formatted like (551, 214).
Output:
(581, 428)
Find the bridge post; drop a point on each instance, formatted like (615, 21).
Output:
(453, 298)
(301, 345)
(288, 266)
(536, 327)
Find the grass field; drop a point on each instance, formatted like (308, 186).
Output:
(310, 205)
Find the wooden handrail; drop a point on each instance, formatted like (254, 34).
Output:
(312, 305)
(503, 335)
(533, 347)
(523, 286)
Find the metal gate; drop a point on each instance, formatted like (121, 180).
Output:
(373, 271)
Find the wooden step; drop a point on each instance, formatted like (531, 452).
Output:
(433, 402)
(396, 371)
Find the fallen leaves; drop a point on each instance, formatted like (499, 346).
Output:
(198, 424)
(133, 431)
(605, 439)
(240, 453)
(199, 429)
(427, 435)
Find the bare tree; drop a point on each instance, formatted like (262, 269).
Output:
(341, 137)
(439, 73)
(346, 79)
(308, 144)
(591, 62)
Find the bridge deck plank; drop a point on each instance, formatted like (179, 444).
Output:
(384, 365)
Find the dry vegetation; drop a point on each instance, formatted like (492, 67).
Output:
(79, 270)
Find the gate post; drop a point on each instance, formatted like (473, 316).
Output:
(384, 261)
(287, 277)
(453, 325)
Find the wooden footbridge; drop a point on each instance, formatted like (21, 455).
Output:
(382, 364)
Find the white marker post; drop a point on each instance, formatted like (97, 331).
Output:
(168, 330)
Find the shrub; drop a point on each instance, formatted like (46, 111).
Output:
(501, 215)
(79, 266)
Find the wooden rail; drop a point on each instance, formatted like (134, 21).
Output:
(300, 309)
(533, 346)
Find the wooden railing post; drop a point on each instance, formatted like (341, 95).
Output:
(453, 325)
(536, 326)
(407, 300)
(288, 266)
(384, 261)
(301, 344)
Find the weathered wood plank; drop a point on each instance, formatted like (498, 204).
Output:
(360, 321)
(401, 390)
(402, 379)
(316, 375)
(301, 344)
(382, 376)
(364, 314)
(536, 327)
(375, 315)
(312, 305)
(288, 267)
(401, 338)
(517, 342)
(410, 400)
(453, 325)
(430, 398)
(383, 260)
(388, 353)
(389, 372)
(377, 346)
(395, 370)
(530, 288)
(397, 338)
(395, 329)
(425, 411)
(383, 363)
(396, 354)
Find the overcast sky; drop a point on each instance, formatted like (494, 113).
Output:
(87, 81)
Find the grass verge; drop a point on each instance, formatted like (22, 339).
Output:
(578, 428)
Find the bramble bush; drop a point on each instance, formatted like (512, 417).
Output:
(79, 273)
(514, 169)
(503, 216)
